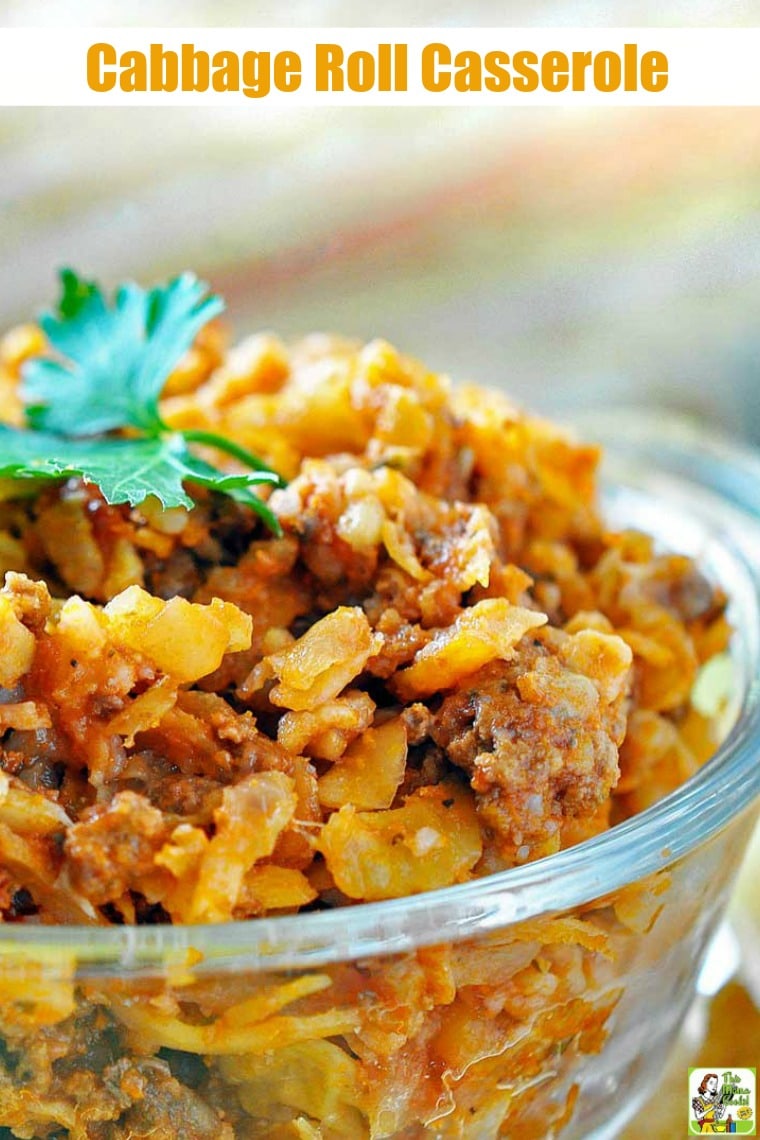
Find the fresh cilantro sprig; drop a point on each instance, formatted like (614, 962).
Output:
(111, 364)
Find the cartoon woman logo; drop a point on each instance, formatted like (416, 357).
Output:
(708, 1105)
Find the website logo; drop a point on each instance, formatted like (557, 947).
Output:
(722, 1101)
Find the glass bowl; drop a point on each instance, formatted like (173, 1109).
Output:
(537, 1002)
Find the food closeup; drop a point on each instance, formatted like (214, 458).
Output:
(290, 629)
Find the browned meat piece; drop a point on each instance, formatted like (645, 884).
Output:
(419, 721)
(111, 849)
(163, 1108)
(538, 741)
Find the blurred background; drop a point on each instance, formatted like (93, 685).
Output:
(579, 259)
(576, 257)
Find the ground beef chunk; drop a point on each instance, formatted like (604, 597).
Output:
(112, 848)
(164, 1109)
(538, 741)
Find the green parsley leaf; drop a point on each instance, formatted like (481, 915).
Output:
(111, 365)
(115, 357)
(128, 470)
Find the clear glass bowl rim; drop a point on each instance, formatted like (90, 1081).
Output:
(721, 791)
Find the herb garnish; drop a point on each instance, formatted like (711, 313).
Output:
(112, 363)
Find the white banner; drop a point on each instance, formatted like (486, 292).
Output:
(185, 67)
